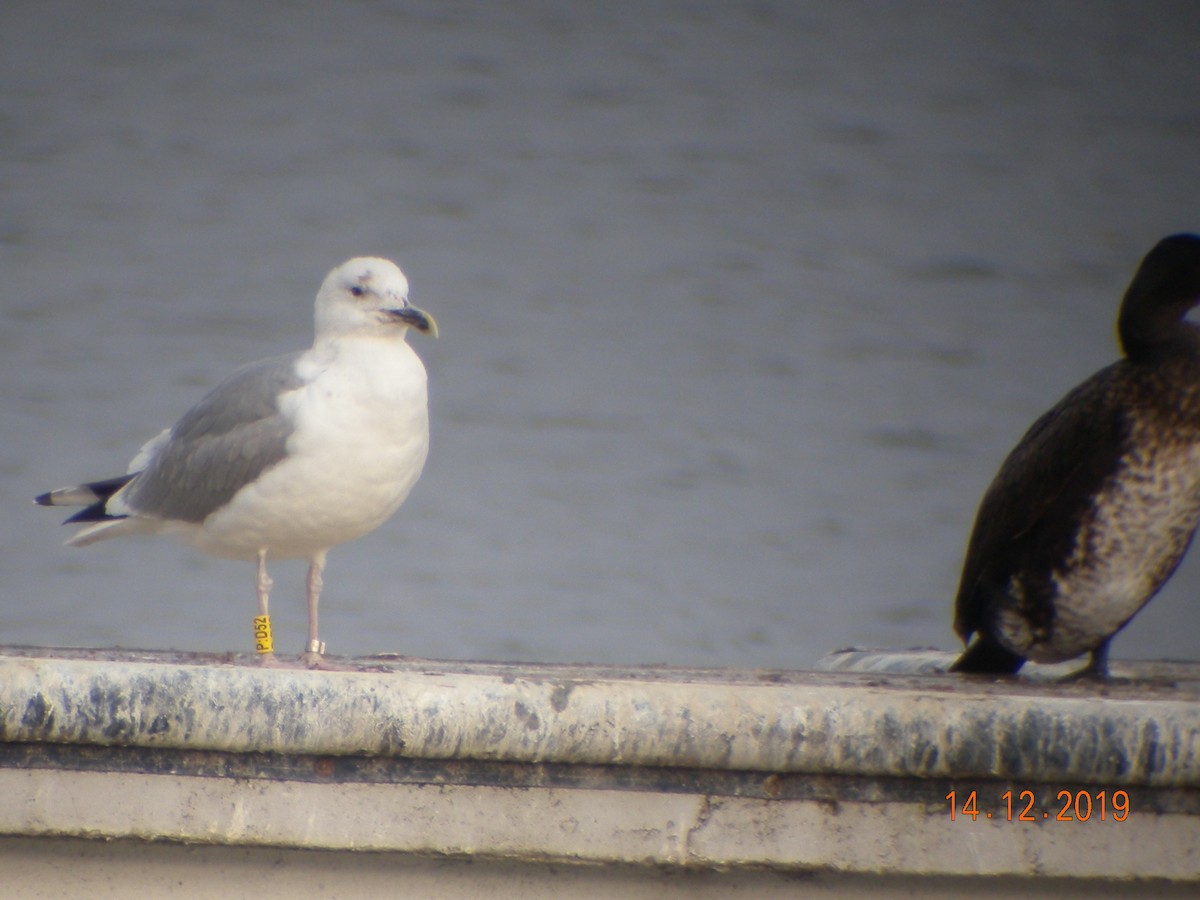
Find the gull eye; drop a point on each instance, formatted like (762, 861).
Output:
(358, 290)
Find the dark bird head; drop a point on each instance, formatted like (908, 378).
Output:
(1164, 288)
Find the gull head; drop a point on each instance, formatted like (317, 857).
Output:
(367, 295)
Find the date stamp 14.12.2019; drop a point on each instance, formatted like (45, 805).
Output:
(1023, 806)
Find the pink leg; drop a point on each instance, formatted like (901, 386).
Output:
(264, 595)
(264, 583)
(315, 647)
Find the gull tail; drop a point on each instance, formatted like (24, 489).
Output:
(94, 496)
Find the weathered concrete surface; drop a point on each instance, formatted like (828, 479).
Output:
(1143, 733)
(596, 825)
(841, 774)
(118, 870)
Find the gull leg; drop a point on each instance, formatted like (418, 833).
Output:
(314, 649)
(263, 589)
(264, 583)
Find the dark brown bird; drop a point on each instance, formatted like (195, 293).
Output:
(1093, 510)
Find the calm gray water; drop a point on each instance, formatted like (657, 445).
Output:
(742, 304)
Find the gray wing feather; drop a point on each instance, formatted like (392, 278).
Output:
(221, 444)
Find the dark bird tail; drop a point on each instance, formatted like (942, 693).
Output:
(985, 656)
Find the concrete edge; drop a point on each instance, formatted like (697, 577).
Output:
(934, 726)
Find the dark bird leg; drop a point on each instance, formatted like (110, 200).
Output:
(1097, 667)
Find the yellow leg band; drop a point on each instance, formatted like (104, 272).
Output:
(262, 635)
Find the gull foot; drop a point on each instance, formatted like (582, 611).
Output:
(320, 662)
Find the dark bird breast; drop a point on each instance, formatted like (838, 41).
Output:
(1088, 516)
(1093, 510)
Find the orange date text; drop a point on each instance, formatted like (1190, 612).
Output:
(1022, 806)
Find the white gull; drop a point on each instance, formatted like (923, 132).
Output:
(290, 455)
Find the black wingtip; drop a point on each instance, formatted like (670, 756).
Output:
(94, 513)
(94, 494)
(986, 657)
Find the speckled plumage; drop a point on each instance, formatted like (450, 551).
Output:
(1095, 507)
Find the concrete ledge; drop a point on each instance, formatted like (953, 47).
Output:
(836, 772)
(1141, 733)
(101, 870)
